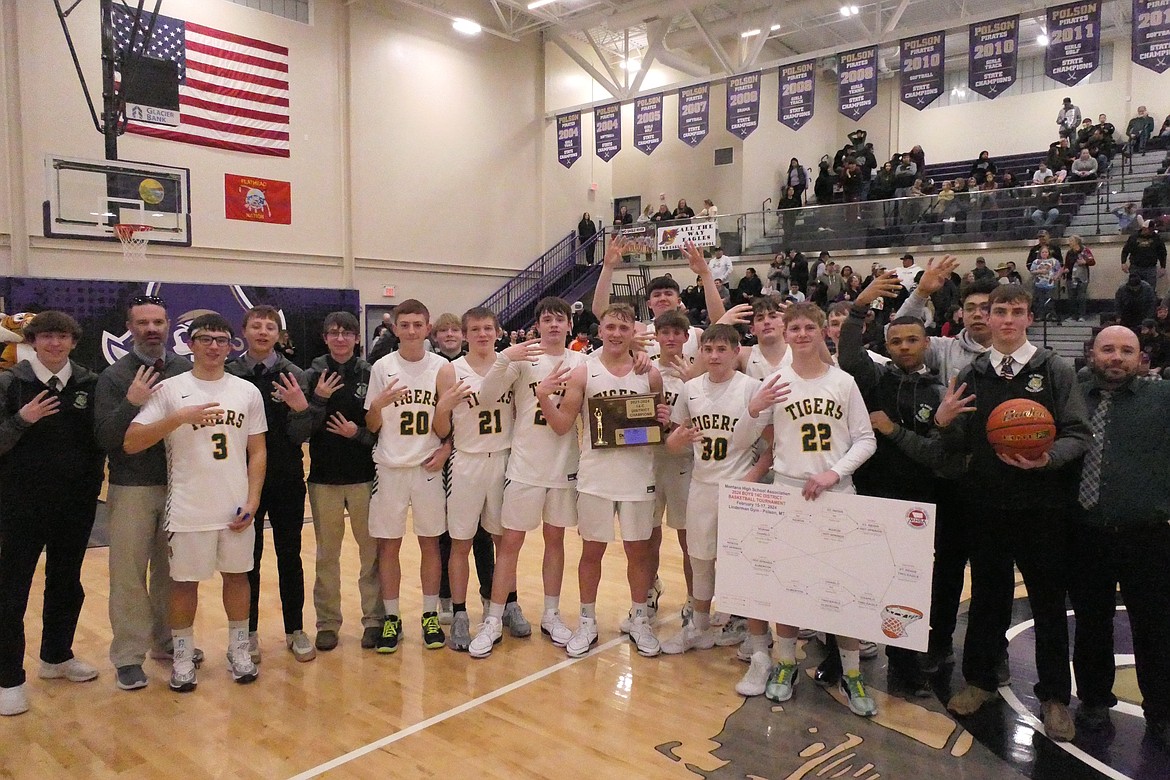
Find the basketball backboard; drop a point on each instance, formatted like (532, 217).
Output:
(86, 198)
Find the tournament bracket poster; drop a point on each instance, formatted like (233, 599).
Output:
(648, 122)
(743, 104)
(992, 56)
(568, 138)
(923, 63)
(1150, 45)
(607, 130)
(798, 83)
(694, 112)
(857, 82)
(1074, 41)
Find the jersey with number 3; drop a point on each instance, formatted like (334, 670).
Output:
(481, 424)
(406, 438)
(713, 408)
(207, 465)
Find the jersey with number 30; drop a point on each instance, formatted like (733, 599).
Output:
(406, 438)
(713, 408)
(207, 465)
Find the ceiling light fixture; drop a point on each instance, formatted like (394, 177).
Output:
(750, 33)
(774, 27)
(466, 26)
(850, 10)
(633, 66)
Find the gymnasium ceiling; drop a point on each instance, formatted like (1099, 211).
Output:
(704, 37)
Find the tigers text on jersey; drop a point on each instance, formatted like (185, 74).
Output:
(207, 465)
(690, 348)
(822, 424)
(714, 408)
(481, 424)
(539, 456)
(673, 389)
(758, 366)
(621, 473)
(406, 438)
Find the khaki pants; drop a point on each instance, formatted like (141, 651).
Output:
(140, 576)
(329, 504)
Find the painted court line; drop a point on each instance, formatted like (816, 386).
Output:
(442, 716)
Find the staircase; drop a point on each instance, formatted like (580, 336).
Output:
(561, 271)
(1124, 184)
(1067, 339)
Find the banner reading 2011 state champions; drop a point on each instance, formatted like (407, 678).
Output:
(743, 104)
(798, 83)
(569, 138)
(1074, 41)
(857, 84)
(694, 111)
(992, 57)
(923, 61)
(1151, 34)
(648, 122)
(607, 130)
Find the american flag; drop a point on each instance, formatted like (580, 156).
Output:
(233, 90)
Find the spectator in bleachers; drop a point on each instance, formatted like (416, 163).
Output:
(832, 282)
(1043, 241)
(1013, 275)
(1045, 200)
(1042, 174)
(882, 186)
(1135, 301)
(724, 292)
(787, 205)
(720, 265)
(1078, 259)
(1068, 119)
(779, 272)
(1084, 132)
(1164, 131)
(1008, 181)
(663, 214)
(1084, 169)
(586, 229)
(709, 211)
(1046, 272)
(750, 286)
(682, 210)
(1154, 343)
(1138, 131)
(1060, 156)
(1144, 253)
(796, 178)
(623, 217)
(904, 176)
(794, 294)
(823, 186)
(981, 271)
(647, 215)
(919, 157)
(1129, 218)
(981, 167)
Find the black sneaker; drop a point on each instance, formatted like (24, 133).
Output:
(391, 631)
(370, 636)
(433, 636)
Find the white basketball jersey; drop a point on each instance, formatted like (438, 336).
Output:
(812, 426)
(481, 424)
(714, 408)
(539, 456)
(621, 473)
(406, 437)
(690, 349)
(207, 465)
(673, 389)
(758, 366)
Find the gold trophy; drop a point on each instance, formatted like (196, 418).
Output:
(600, 440)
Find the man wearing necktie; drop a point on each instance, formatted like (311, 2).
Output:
(50, 474)
(140, 578)
(1019, 508)
(1122, 534)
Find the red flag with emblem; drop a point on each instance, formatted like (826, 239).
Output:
(252, 199)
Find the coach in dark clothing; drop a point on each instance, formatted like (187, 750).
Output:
(1122, 533)
(1144, 253)
(50, 474)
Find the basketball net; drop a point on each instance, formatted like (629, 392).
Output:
(896, 618)
(134, 239)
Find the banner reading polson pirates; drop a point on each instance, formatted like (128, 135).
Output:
(694, 111)
(1074, 41)
(743, 104)
(607, 130)
(1151, 34)
(648, 122)
(568, 138)
(857, 82)
(923, 62)
(701, 234)
(992, 56)
(798, 83)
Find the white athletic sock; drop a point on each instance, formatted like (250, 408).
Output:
(183, 641)
(703, 621)
(496, 610)
(787, 649)
(850, 661)
(552, 603)
(237, 636)
(430, 603)
(590, 611)
(638, 609)
(390, 606)
(760, 643)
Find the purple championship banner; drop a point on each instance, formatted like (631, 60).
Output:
(1074, 41)
(923, 61)
(857, 82)
(992, 55)
(798, 83)
(743, 104)
(694, 114)
(648, 122)
(607, 130)
(569, 138)
(100, 308)
(1151, 34)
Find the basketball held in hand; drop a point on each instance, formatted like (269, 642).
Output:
(1021, 427)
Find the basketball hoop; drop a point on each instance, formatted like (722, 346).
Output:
(895, 619)
(134, 240)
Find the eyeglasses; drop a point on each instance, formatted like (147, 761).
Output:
(142, 300)
(207, 341)
(339, 334)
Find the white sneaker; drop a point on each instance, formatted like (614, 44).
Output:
(744, 651)
(806, 634)
(583, 638)
(487, 636)
(627, 623)
(868, 650)
(733, 633)
(756, 679)
(13, 701)
(652, 597)
(719, 619)
(689, 638)
(554, 628)
(642, 635)
(302, 649)
(687, 613)
(73, 670)
(446, 612)
(254, 646)
(242, 667)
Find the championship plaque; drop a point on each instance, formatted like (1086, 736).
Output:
(623, 421)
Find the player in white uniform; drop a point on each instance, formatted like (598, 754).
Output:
(706, 413)
(213, 425)
(482, 429)
(821, 434)
(541, 476)
(400, 409)
(612, 482)
(770, 353)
